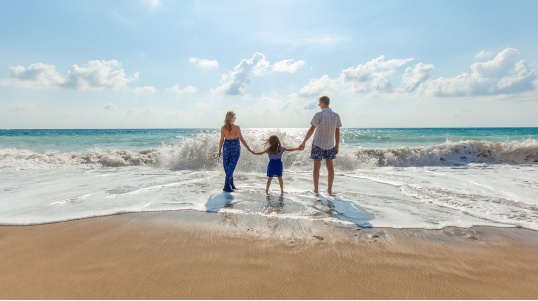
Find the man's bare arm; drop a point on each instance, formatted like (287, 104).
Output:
(308, 135)
(337, 140)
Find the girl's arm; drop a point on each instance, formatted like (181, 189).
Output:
(221, 141)
(242, 140)
(258, 153)
(292, 149)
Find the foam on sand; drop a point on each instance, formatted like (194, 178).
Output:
(464, 183)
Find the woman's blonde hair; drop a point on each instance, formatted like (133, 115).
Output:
(272, 145)
(228, 120)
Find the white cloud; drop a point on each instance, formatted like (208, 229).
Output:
(204, 64)
(187, 90)
(94, 75)
(414, 77)
(36, 76)
(498, 67)
(501, 75)
(372, 76)
(288, 66)
(237, 81)
(145, 90)
(110, 107)
(97, 75)
(318, 87)
(484, 54)
(311, 105)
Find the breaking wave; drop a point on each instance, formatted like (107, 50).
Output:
(200, 153)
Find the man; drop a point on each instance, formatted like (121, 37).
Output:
(326, 125)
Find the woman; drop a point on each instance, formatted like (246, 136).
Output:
(230, 135)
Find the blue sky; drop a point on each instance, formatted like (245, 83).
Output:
(166, 63)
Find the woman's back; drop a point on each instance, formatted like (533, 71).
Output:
(230, 134)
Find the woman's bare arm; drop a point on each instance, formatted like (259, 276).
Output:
(241, 139)
(221, 141)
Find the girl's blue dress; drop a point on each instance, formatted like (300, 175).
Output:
(275, 166)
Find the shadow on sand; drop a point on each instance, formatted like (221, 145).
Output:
(348, 211)
(216, 202)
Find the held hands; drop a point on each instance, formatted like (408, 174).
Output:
(300, 148)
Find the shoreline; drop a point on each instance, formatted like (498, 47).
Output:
(342, 226)
(197, 212)
(178, 255)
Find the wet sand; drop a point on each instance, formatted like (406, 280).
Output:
(178, 255)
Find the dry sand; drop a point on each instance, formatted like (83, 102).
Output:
(162, 256)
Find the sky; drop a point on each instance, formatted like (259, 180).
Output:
(184, 64)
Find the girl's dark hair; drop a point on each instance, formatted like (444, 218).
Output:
(272, 145)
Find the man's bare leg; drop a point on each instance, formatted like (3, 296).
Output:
(317, 165)
(330, 175)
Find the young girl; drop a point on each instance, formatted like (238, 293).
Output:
(275, 167)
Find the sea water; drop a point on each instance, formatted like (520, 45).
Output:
(399, 178)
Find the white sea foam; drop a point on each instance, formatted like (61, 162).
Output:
(200, 153)
(461, 183)
(497, 192)
(36, 197)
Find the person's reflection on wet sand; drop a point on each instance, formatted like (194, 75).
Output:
(274, 204)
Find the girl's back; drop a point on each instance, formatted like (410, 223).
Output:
(277, 156)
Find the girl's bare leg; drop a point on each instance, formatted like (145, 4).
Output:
(268, 184)
(281, 184)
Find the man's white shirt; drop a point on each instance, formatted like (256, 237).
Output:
(326, 123)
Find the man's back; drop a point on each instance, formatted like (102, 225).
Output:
(326, 123)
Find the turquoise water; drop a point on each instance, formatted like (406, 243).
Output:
(77, 140)
(420, 137)
(403, 178)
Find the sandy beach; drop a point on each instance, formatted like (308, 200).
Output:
(180, 255)
(264, 150)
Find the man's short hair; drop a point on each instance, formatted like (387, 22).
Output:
(325, 100)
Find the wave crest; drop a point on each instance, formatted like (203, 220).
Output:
(201, 153)
(452, 153)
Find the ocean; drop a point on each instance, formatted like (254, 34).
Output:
(427, 178)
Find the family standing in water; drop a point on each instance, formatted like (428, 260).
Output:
(325, 126)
